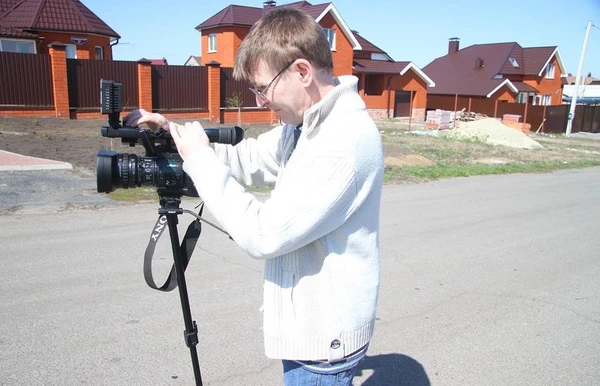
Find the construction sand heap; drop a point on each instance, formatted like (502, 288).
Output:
(493, 132)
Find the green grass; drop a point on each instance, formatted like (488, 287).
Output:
(136, 194)
(451, 170)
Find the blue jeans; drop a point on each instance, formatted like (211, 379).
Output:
(296, 375)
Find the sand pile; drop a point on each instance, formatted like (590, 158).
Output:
(493, 132)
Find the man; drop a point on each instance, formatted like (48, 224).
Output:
(319, 230)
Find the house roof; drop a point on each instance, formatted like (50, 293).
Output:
(570, 79)
(247, 16)
(52, 15)
(367, 46)
(15, 33)
(159, 62)
(238, 15)
(524, 87)
(365, 66)
(479, 69)
(193, 59)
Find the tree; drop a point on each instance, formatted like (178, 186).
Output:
(235, 101)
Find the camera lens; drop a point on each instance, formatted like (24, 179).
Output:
(116, 170)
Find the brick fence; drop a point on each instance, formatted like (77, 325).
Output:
(61, 106)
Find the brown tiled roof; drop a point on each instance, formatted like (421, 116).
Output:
(462, 72)
(15, 33)
(367, 45)
(52, 15)
(536, 58)
(233, 15)
(364, 66)
(246, 16)
(524, 87)
(5, 5)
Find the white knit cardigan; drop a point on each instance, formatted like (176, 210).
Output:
(319, 230)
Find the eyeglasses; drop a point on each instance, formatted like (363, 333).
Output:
(262, 93)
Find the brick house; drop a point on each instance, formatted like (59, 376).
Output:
(28, 26)
(497, 72)
(385, 85)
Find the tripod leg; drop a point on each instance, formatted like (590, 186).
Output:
(191, 329)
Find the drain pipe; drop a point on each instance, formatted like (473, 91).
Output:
(389, 98)
(116, 41)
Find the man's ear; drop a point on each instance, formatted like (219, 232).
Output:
(304, 70)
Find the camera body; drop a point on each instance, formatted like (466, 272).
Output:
(161, 167)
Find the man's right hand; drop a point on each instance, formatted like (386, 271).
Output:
(139, 117)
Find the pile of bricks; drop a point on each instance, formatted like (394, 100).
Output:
(514, 122)
(438, 119)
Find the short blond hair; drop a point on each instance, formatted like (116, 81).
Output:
(280, 37)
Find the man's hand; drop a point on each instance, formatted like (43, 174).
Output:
(153, 120)
(188, 138)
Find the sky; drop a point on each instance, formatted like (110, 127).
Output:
(416, 31)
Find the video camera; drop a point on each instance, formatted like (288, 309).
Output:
(160, 167)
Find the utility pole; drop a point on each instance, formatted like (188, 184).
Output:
(578, 80)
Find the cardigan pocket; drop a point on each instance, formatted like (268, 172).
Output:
(288, 282)
(279, 310)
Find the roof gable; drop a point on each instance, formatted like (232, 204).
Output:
(365, 66)
(52, 15)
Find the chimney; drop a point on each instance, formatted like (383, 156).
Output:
(453, 45)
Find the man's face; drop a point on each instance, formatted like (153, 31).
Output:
(281, 91)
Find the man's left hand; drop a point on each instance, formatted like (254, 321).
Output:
(188, 138)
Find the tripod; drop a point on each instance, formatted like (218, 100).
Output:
(182, 252)
(168, 212)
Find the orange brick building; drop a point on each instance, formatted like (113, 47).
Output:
(498, 72)
(29, 26)
(389, 88)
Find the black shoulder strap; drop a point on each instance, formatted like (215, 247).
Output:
(186, 248)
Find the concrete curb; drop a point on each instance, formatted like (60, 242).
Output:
(12, 161)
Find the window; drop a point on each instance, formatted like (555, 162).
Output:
(522, 97)
(550, 71)
(330, 34)
(513, 62)
(21, 46)
(212, 43)
(99, 52)
(546, 99)
(71, 51)
(498, 76)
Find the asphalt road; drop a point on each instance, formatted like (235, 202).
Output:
(485, 281)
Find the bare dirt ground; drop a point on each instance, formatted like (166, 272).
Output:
(78, 142)
(73, 141)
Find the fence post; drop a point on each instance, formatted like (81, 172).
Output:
(469, 113)
(60, 80)
(144, 73)
(214, 91)
(455, 107)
